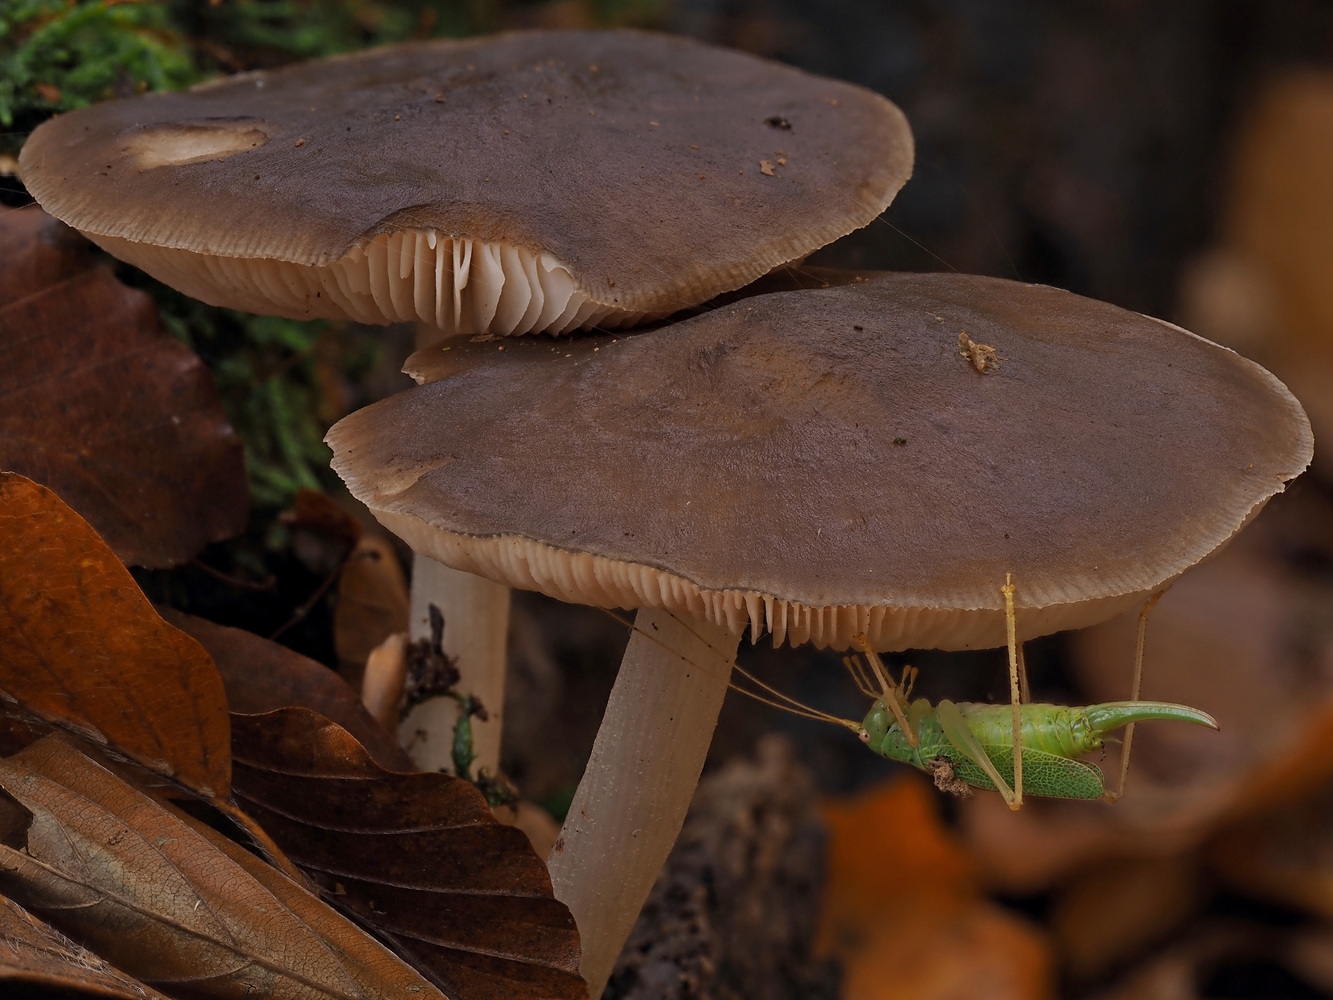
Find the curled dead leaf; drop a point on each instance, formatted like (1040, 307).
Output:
(85, 651)
(263, 676)
(372, 603)
(418, 856)
(172, 901)
(99, 403)
(383, 679)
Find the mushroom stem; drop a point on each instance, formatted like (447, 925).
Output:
(644, 767)
(476, 628)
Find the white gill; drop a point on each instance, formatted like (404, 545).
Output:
(457, 285)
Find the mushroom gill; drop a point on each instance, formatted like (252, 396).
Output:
(456, 284)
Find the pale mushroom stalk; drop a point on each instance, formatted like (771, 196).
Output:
(638, 784)
(476, 630)
(476, 627)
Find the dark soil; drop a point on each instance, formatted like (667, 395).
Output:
(733, 913)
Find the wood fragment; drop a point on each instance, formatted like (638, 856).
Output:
(981, 356)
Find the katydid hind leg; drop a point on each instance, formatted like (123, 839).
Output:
(1128, 744)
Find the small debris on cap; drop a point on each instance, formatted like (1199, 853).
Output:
(982, 356)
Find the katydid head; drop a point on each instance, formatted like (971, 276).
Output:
(876, 724)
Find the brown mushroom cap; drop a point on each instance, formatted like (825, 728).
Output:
(826, 462)
(657, 171)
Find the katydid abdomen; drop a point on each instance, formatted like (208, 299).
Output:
(1053, 737)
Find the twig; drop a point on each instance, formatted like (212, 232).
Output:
(309, 605)
(235, 581)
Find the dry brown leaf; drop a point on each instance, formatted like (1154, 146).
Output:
(37, 251)
(171, 901)
(84, 650)
(320, 512)
(262, 676)
(1280, 208)
(904, 913)
(372, 602)
(417, 856)
(34, 954)
(103, 406)
(979, 951)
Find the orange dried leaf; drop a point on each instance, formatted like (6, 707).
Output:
(978, 951)
(888, 842)
(172, 901)
(103, 406)
(904, 913)
(85, 651)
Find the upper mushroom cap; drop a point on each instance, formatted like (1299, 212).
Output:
(825, 462)
(657, 170)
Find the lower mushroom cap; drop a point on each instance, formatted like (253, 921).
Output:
(824, 462)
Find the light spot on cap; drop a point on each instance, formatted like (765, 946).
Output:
(173, 145)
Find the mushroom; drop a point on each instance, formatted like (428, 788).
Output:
(817, 464)
(526, 182)
(535, 181)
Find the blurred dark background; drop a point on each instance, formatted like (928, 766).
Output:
(1082, 145)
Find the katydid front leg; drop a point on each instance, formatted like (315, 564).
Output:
(889, 690)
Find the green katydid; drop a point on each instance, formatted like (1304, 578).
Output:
(969, 745)
(1003, 748)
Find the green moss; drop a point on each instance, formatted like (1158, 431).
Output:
(58, 56)
(282, 383)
